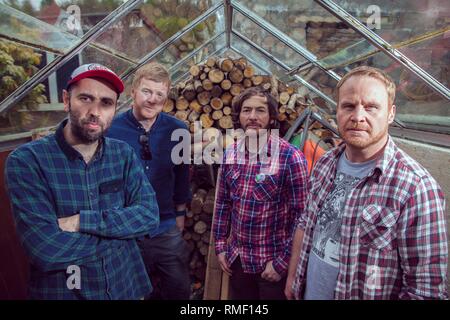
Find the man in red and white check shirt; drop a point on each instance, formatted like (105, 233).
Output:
(261, 193)
(375, 224)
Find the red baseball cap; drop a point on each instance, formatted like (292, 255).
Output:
(95, 70)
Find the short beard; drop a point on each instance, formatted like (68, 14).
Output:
(82, 134)
(360, 143)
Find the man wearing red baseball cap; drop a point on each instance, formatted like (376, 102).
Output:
(80, 199)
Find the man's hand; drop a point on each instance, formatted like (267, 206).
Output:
(269, 273)
(70, 224)
(180, 223)
(223, 263)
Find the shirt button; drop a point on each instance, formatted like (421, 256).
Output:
(146, 167)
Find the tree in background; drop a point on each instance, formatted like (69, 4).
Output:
(24, 6)
(17, 65)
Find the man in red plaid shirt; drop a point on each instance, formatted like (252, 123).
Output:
(261, 193)
(375, 222)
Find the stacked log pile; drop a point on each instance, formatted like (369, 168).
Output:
(197, 232)
(207, 94)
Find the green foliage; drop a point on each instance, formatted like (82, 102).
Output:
(17, 65)
(24, 6)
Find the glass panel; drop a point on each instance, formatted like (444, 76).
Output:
(44, 26)
(417, 104)
(146, 27)
(419, 29)
(78, 16)
(433, 55)
(256, 57)
(263, 39)
(399, 20)
(320, 79)
(354, 52)
(43, 106)
(307, 23)
(171, 56)
(20, 27)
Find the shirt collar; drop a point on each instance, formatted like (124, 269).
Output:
(130, 116)
(384, 162)
(70, 151)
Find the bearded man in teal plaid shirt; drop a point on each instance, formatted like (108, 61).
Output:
(80, 200)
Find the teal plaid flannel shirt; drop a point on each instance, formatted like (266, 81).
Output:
(47, 179)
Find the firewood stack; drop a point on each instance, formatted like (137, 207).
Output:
(207, 94)
(197, 231)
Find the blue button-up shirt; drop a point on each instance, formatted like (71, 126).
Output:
(169, 180)
(48, 179)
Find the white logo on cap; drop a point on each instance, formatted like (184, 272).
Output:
(95, 66)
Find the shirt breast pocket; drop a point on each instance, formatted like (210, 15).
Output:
(112, 193)
(267, 190)
(377, 227)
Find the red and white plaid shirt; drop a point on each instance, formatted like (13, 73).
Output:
(255, 217)
(393, 233)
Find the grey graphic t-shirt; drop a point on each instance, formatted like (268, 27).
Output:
(323, 264)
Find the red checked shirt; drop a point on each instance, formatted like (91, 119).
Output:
(257, 205)
(393, 233)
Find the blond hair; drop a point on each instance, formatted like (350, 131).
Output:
(373, 73)
(151, 71)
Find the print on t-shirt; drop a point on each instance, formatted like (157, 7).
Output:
(327, 234)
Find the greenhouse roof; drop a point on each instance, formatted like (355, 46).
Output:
(311, 43)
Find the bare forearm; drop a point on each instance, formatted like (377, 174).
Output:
(295, 252)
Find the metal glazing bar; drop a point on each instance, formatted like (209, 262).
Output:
(205, 15)
(285, 67)
(305, 131)
(304, 66)
(228, 20)
(296, 125)
(45, 72)
(384, 46)
(194, 52)
(281, 37)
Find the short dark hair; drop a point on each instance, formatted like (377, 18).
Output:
(272, 104)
